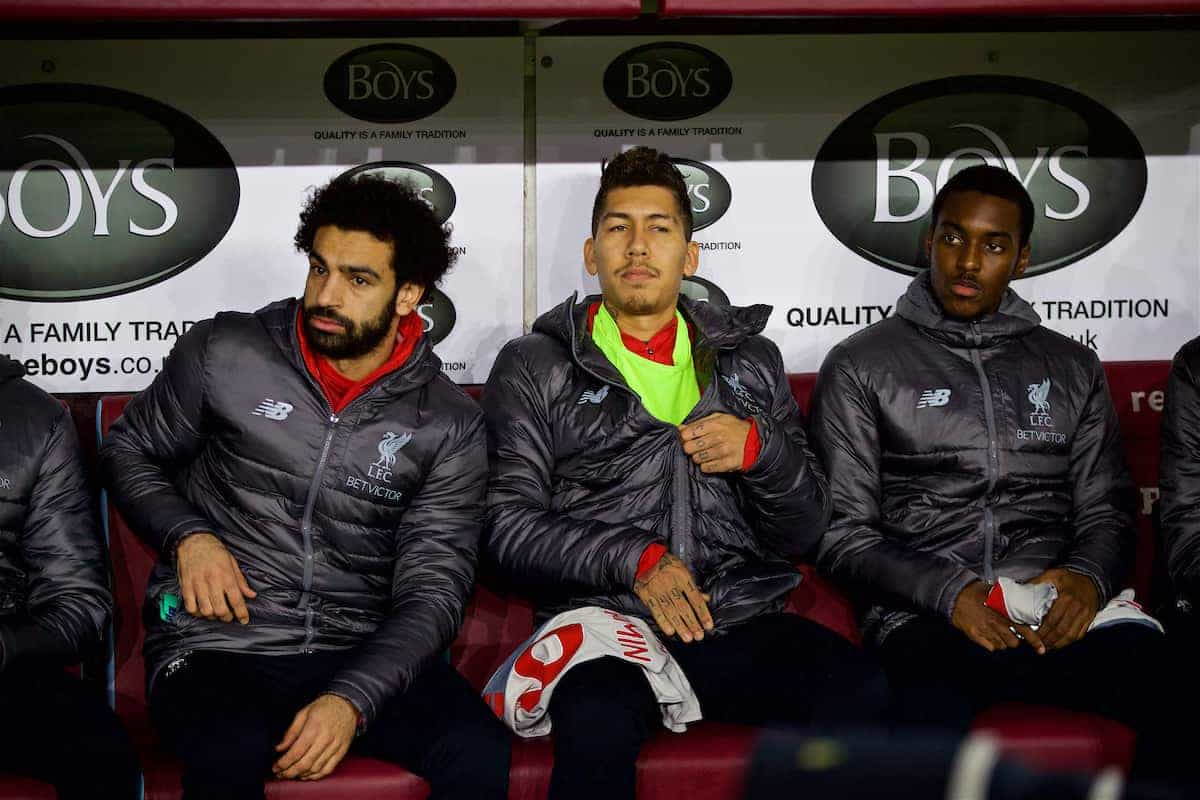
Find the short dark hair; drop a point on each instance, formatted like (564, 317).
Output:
(390, 211)
(989, 180)
(643, 166)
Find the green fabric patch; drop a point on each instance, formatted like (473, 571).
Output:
(669, 392)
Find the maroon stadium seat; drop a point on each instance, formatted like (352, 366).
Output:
(13, 787)
(1137, 389)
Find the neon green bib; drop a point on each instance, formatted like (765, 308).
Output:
(670, 392)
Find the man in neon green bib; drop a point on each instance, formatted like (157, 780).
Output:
(648, 457)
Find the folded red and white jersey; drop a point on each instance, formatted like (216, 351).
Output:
(519, 692)
(1028, 604)
(1023, 603)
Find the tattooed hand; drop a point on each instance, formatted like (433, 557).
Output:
(678, 606)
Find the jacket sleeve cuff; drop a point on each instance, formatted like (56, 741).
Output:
(951, 591)
(650, 556)
(1089, 570)
(355, 697)
(753, 445)
(179, 532)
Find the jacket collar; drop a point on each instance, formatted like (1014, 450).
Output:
(279, 319)
(918, 305)
(717, 328)
(9, 369)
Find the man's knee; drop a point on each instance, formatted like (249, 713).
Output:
(605, 690)
(235, 754)
(105, 750)
(479, 750)
(602, 707)
(865, 696)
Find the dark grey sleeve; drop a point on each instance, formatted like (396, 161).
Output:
(161, 430)
(436, 553)
(785, 488)
(68, 598)
(1103, 494)
(1179, 476)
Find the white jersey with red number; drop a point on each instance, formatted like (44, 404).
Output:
(519, 692)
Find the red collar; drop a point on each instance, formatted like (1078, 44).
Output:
(340, 390)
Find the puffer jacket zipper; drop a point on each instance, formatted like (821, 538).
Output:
(314, 487)
(681, 501)
(989, 413)
(306, 534)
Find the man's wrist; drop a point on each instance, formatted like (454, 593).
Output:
(649, 560)
(1100, 590)
(179, 539)
(360, 719)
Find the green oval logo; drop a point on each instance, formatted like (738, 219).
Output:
(876, 175)
(708, 191)
(390, 83)
(428, 183)
(668, 81)
(703, 291)
(438, 314)
(104, 192)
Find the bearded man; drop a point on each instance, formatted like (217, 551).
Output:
(314, 486)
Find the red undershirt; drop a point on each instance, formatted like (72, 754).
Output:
(340, 390)
(660, 349)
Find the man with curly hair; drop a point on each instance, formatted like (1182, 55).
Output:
(648, 458)
(314, 487)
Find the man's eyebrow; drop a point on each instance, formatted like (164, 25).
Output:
(357, 270)
(313, 255)
(623, 215)
(990, 234)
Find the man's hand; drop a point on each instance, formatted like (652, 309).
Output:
(318, 739)
(678, 606)
(1073, 611)
(986, 628)
(212, 583)
(717, 442)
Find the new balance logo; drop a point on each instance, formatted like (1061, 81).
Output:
(933, 397)
(596, 397)
(273, 409)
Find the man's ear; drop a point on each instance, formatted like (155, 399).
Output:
(589, 252)
(408, 298)
(691, 261)
(1022, 262)
(929, 247)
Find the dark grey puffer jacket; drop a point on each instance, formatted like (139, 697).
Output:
(1179, 472)
(584, 478)
(357, 529)
(54, 597)
(962, 451)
